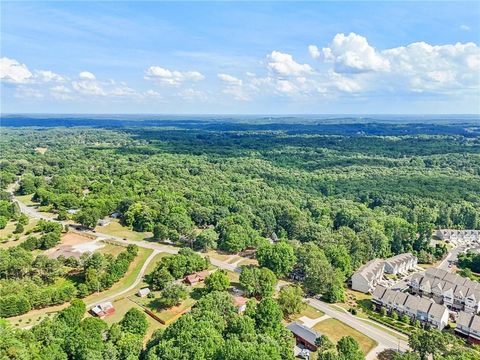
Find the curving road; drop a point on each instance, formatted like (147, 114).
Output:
(384, 339)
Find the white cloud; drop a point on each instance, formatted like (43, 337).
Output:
(283, 64)
(314, 51)
(172, 77)
(353, 54)
(465, 27)
(48, 76)
(86, 75)
(12, 71)
(229, 79)
(437, 68)
(61, 92)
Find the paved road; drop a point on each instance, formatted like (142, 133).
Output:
(384, 339)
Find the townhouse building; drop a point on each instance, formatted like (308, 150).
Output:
(417, 308)
(468, 325)
(454, 291)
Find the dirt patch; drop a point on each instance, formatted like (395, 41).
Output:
(74, 245)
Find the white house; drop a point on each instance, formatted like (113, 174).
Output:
(367, 277)
(400, 264)
(143, 292)
(469, 326)
(454, 291)
(415, 307)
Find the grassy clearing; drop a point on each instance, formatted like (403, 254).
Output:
(219, 256)
(247, 262)
(310, 312)
(169, 314)
(335, 330)
(26, 199)
(117, 229)
(35, 317)
(111, 249)
(126, 281)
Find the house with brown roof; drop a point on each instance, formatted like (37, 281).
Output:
(103, 310)
(197, 277)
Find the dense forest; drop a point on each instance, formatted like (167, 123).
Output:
(318, 200)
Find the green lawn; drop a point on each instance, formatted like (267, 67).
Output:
(116, 229)
(335, 330)
(310, 312)
(26, 199)
(127, 280)
(111, 249)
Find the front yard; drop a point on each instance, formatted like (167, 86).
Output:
(335, 330)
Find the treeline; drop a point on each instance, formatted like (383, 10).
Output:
(71, 336)
(30, 282)
(377, 196)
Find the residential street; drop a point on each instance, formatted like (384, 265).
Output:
(384, 339)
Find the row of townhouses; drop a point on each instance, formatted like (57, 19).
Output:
(367, 277)
(454, 291)
(468, 325)
(458, 237)
(415, 307)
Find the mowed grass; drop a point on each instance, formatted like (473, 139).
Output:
(127, 280)
(310, 312)
(335, 330)
(26, 199)
(111, 249)
(117, 229)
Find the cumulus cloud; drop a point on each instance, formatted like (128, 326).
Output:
(172, 77)
(428, 67)
(86, 75)
(283, 64)
(48, 76)
(61, 92)
(12, 71)
(353, 54)
(314, 51)
(229, 79)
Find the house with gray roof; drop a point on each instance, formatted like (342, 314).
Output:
(452, 290)
(367, 277)
(400, 264)
(458, 237)
(415, 307)
(468, 325)
(304, 336)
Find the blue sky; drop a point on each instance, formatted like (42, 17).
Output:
(240, 57)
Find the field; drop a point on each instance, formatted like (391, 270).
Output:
(109, 248)
(335, 330)
(118, 230)
(8, 239)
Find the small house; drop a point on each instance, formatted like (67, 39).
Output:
(197, 277)
(103, 310)
(143, 292)
(304, 336)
